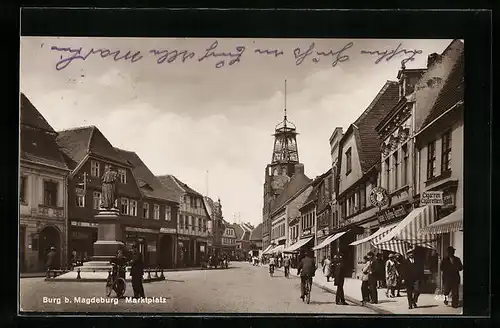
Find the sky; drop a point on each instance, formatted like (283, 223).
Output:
(212, 126)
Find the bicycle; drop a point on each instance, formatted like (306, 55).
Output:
(307, 290)
(271, 270)
(116, 283)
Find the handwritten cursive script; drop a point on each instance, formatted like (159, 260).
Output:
(73, 54)
(338, 55)
(389, 54)
(171, 56)
(210, 53)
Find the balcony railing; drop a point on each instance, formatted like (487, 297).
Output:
(50, 211)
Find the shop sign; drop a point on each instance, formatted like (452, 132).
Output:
(432, 198)
(141, 230)
(379, 197)
(84, 224)
(167, 230)
(448, 200)
(391, 214)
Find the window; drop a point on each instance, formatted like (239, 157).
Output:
(133, 208)
(396, 164)
(123, 175)
(156, 211)
(145, 210)
(190, 222)
(348, 164)
(95, 168)
(96, 196)
(80, 200)
(404, 166)
(22, 189)
(362, 197)
(188, 200)
(125, 206)
(446, 152)
(50, 193)
(431, 160)
(168, 213)
(388, 174)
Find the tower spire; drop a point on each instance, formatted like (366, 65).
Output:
(284, 121)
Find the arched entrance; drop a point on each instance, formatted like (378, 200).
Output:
(165, 258)
(49, 237)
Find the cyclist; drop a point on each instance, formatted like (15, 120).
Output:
(286, 264)
(306, 269)
(272, 264)
(120, 261)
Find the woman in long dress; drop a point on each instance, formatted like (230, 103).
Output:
(391, 276)
(327, 268)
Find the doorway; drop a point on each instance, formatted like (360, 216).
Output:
(165, 259)
(49, 237)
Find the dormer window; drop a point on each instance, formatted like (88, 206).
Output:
(95, 168)
(123, 175)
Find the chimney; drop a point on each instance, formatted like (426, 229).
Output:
(432, 58)
(299, 168)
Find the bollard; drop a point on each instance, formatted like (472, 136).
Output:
(149, 274)
(78, 274)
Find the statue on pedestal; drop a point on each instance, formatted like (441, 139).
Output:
(109, 188)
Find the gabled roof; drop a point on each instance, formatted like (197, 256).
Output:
(149, 185)
(78, 142)
(451, 93)
(367, 141)
(256, 234)
(38, 138)
(238, 230)
(31, 116)
(171, 186)
(298, 182)
(185, 187)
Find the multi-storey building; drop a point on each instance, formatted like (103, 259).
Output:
(158, 205)
(229, 240)
(88, 153)
(243, 232)
(256, 240)
(357, 175)
(323, 213)
(192, 224)
(42, 191)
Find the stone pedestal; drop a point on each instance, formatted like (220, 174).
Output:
(109, 235)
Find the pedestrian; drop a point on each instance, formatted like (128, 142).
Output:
(380, 265)
(372, 279)
(286, 263)
(327, 268)
(398, 260)
(413, 272)
(451, 267)
(391, 276)
(51, 263)
(339, 276)
(365, 288)
(137, 273)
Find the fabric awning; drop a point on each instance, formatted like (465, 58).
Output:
(297, 245)
(381, 232)
(267, 249)
(450, 223)
(328, 240)
(277, 249)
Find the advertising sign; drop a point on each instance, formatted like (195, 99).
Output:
(432, 198)
(379, 197)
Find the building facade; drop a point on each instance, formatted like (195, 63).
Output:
(43, 193)
(229, 240)
(324, 213)
(156, 243)
(243, 232)
(256, 240)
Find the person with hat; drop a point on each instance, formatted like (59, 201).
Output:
(451, 267)
(391, 275)
(339, 276)
(413, 272)
(51, 263)
(372, 278)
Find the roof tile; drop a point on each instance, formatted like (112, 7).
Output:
(298, 182)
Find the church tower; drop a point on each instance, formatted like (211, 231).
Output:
(284, 164)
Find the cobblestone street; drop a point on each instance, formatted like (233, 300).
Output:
(240, 289)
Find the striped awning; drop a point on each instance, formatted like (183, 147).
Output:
(380, 233)
(297, 245)
(277, 249)
(328, 240)
(266, 251)
(450, 223)
(395, 246)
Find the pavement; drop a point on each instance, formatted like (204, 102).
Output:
(242, 288)
(428, 304)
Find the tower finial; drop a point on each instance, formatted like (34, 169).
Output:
(284, 121)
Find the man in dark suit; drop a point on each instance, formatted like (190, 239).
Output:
(372, 279)
(451, 267)
(307, 270)
(413, 272)
(137, 272)
(339, 276)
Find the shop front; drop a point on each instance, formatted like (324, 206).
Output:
(186, 255)
(82, 236)
(146, 240)
(166, 248)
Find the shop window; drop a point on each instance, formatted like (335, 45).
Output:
(125, 206)
(156, 211)
(50, 193)
(348, 164)
(446, 152)
(431, 160)
(96, 196)
(123, 175)
(80, 200)
(95, 167)
(133, 208)
(145, 210)
(22, 189)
